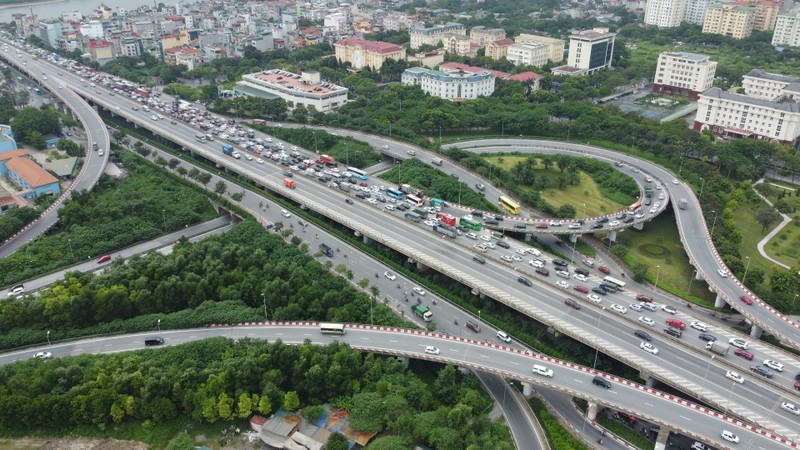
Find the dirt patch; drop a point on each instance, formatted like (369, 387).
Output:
(70, 444)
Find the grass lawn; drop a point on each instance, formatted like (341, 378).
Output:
(744, 217)
(659, 244)
(785, 246)
(584, 193)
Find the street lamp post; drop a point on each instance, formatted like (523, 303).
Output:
(793, 301)
(597, 341)
(264, 299)
(746, 268)
(658, 272)
(164, 216)
(48, 337)
(71, 253)
(681, 167)
(159, 325)
(691, 279)
(584, 211)
(708, 365)
(702, 185)
(713, 223)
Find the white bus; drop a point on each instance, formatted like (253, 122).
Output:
(620, 285)
(331, 328)
(414, 200)
(358, 173)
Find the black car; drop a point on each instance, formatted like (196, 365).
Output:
(582, 271)
(628, 220)
(597, 226)
(520, 225)
(543, 271)
(491, 222)
(598, 291)
(288, 174)
(560, 263)
(361, 195)
(498, 218)
(603, 220)
(503, 244)
(707, 337)
(348, 201)
(525, 281)
(643, 335)
(477, 214)
(600, 381)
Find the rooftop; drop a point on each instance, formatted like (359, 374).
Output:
(451, 67)
(687, 55)
(373, 46)
(759, 73)
(524, 76)
(292, 82)
(719, 94)
(507, 41)
(29, 171)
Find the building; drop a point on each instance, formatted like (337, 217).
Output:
(49, 32)
(130, 46)
(741, 116)
(729, 19)
(555, 46)
(101, 51)
(528, 54)
(33, 180)
(498, 49)
(361, 53)
(457, 43)
(768, 86)
(683, 73)
(664, 13)
(766, 14)
(92, 29)
(305, 89)
(427, 59)
(450, 86)
(695, 11)
(433, 35)
(456, 67)
(482, 36)
(589, 51)
(787, 30)
(7, 141)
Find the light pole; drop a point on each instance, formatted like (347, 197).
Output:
(479, 315)
(691, 279)
(708, 365)
(713, 223)
(164, 216)
(746, 268)
(264, 299)
(597, 341)
(702, 185)
(48, 337)
(681, 167)
(584, 211)
(658, 272)
(793, 301)
(159, 325)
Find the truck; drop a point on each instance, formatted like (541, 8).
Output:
(326, 250)
(289, 183)
(422, 213)
(648, 192)
(344, 187)
(422, 311)
(408, 189)
(436, 161)
(449, 232)
(717, 347)
(412, 216)
(326, 160)
(682, 203)
(227, 149)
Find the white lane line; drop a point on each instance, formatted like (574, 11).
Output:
(577, 380)
(194, 336)
(685, 418)
(364, 338)
(514, 363)
(648, 404)
(393, 341)
(107, 345)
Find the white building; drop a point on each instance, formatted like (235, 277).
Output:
(787, 30)
(431, 36)
(695, 11)
(664, 13)
(71, 16)
(295, 89)
(768, 86)
(589, 51)
(684, 73)
(92, 29)
(450, 86)
(337, 23)
(735, 115)
(528, 54)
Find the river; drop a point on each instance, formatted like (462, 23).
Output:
(53, 9)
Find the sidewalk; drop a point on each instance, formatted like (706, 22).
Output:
(775, 231)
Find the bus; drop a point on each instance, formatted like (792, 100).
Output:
(395, 194)
(331, 328)
(620, 285)
(508, 204)
(358, 173)
(466, 222)
(259, 121)
(438, 202)
(634, 207)
(414, 200)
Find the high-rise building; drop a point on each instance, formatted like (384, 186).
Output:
(664, 13)
(49, 32)
(729, 19)
(684, 73)
(591, 50)
(695, 11)
(787, 30)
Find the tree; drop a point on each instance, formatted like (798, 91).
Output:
(291, 401)
(766, 217)
(245, 406)
(220, 187)
(337, 441)
(181, 171)
(181, 442)
(204, 178)
(118, 136)
(193, 173)
(639, 272)
(566, 211)
(173, 163)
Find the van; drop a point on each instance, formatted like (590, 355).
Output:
(648, 179)
(473, 326)
(643, 335)
(479, 259)
(588, 262)
(543, 371)
(503, 336)
(154, 341)
(600, 381)
(17, 289)
(481, 248)
(472, 236)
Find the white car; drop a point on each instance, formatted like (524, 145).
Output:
(516, 258)
(723, 273)
(653, 210)
(661, 196)
(390, 275)
(699, 326)
(562, 284)
(649, 348)
(772, 364)
(536, 263)
(639, 216)
(636, 307)
(619, 308)
(506, 258)
(574, 226)
(431, 350)
(556, 223)
(730, 437)
(419, 291)
(675, 181)
(669, 309)
(791, 407)
(486, 238)
(647, 321)
(580, 277)
(594, 298)
(734, 376)
(389, 207)
(285, 213)
(648, 306)
(43, 355)
(521, 251)
(260, 161)
(613, 223)
(503, 336)
(739, 343)
(491, 245)
(249, 158)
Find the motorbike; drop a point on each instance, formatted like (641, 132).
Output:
(455, 321)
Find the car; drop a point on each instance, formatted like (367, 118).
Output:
(675, 181)
(580, 277)
(599, 291)
(723, 273)
(556, 223)
(613, 223)
(560, 263)
(541, 226)
(648, 347)
(286, 213)
(103, 259)
(746, 300)
(390, 275)
(734, 376)
(248, 157)
(542, 271)
(600, 381)
(744, 354)
(597, 226)
(594, 298)
(707, 337)
(42, 355)
(604, 269)
(791, 407)
(647, 321)
(644, 298)
(699, 326)
(542, 370)
(562, 273)
(669, 309)
(562, 284)
(649, 306)
(480, 186)
(763, 371)
(419, 291)
(730, 437)
(772, 364)
(153, 341)
(574, 226)
(503, 336)
(676, 323)
(636, 307)
(581, 289)
(473, 326)
(619, 308)
(431, 350)
(507, 258)
(739, 343)
(525, 281)
(389, 207)
(259, 160)
(348, 201)
(654, 210)
(516, 258)
(572, 303)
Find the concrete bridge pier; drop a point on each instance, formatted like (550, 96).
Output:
(403, 360)
(591, 411)
(365, 239)
(697, 275)
(421, 267)
(527, 389)
(612, 235)
(527, 237)
(639, 226)
(719, 302)
(651, 382)
(756, 331)
(663, 436)
(573, 238)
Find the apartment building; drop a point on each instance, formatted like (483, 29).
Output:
(528, 54)
(432, 35)
(664, 13)
(361, 53)
(741, 116)
(450, 86)
(481, 36)
(766, 14)
(729, 19)
(683, 73)
(306, 89)
(787, 30)
(768, 86)
(555, 47)
(695, 11)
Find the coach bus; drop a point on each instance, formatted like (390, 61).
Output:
(414, 200)
(620, 285)
(508, 204)
(331, 328)
(470, 224)
(358, 173)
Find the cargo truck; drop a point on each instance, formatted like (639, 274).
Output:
(717, 347)
(288, 183)
(422, 311)
(227, 149)
(449, 232)
(421, 212)
(344, 187)
(682, 203)
(436, 161)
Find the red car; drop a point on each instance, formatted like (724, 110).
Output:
(257, 151)
(541, 226)
(644, 298)
(363, 183)
(604, 269)
(747, 300)
(744, 354)
(103, 259)
(560, 243)
(676, 323)
(581, 289)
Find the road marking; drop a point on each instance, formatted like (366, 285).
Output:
(685, 418)
(514, 363)
(648, 404)
(107, 345)
(579, 381)
(194, 336)
(484, 356)
(251, 334)
(392, 341)
(364, 338)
